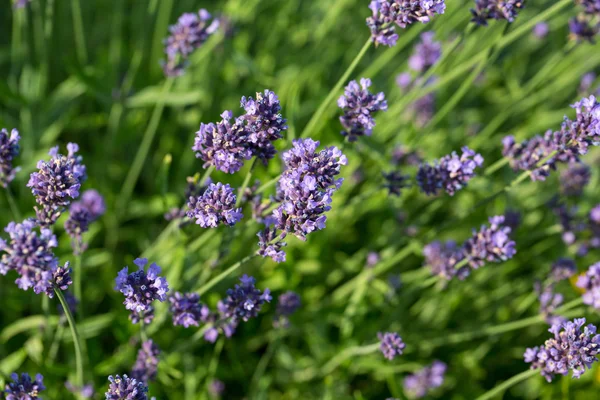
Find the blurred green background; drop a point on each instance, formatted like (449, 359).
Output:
(102, 86)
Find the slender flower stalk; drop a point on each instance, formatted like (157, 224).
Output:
(75, 335)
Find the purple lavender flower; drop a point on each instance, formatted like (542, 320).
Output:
(403, 156)
(87, 391)
(395, 182)
(582, 28)
(442, 259)
(23, 387)
(490, 244)
(264, 124)
(541, 29)
(590, 282)
(527, 156)
(563, 268)
(141, 289)
(224, 144)
(187, 309)
(358, 105)
(287, 304)
(402, 13)
(146, 364)
(189, 33)
(194, 188)
(574, 179)
(125, 388)
(269, 245)
(549, 302)
(575, 136)
(572, 348)
(56, 183)
(425, 380)
(427, 52)
(216, 205)
(30, 255)
(21, 3)
(216, 387)
(391, 344)
(450, 173)
(372, 259)
(81, 214)
(9, 150)
(495, 9)
(512, 219)
(587, 80)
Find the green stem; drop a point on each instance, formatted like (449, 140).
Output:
(13, 204)
(79, 32)
(498, 390)
(206, 287)
(317, 116)
(74, 334)
(242, 188)
(496, 166)
(267, 185)
(350, 352)
(143, 334)
(263, 363)
(77, 272)
(140, 157)
(206, 175)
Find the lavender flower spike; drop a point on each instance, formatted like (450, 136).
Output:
(420, 383)
(427, 53)
(442, 259)
(490, 244)
(358, 105)
(391, 344)
(24, 388)
(125, 388)
(216, 205)
(187, 309)
(496, 9)
(81, 214)
(141, 289)
(287, 304)
(189, 33)
(146, 364)
(9, 149)
(590, 282)
(574, 347)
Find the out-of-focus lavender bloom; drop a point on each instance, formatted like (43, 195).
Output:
(404, 80)
(264, 123)
(87, 391)
(587, 80)
(403, 156)
(590, 282)
(216, 387)
(425, 380)
(549, 302)
(21, 3)
(23, 387)
(528, 155)
(187, 309)
(395, 181)
(223, 145)
(427, 52)
(358, 105)
(392, 344)
(56, 183)
(194, 188)
(93, 202)
(146, 364)
(81, 214)
(496, 9)
(442, 259)
(216, 205)
(490, 244)
(450, 173)
(402, 13)
(563, 268)
(574, 179)
(9, 150)
(188, 34)
(30, 254)
(141, 289)
(287, 304)
(372, 259)
(422, 109)
(512, 219)
(582, 29)
(125, 388)
(541, 29)
(574, 348)
(269, 244)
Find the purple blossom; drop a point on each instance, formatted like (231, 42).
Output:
(56, 183)
(287, 304)
(574, 179)
(216, 205)
(549, 302)
(9, 150)
(270, 245)
(23, 387)
(146, 364)
(21, 4)
(387, 13)
(372, 259)
(512, 219)
(421, 382)
(86, 392)
(582, 28)
(264, 124)
(450, 173)
(590, 282)
(442, 259)
(490, 244)
(496, 9)
(125, 388)
(403, 156)
(528, 155)
(216, 387)
(81, 214)
(141, 289)
(572, 348)
(189, 33)
(391, 344)
(563, 268)
(395, 181)
(187, 309)
(358, 105)
(194, 188)
(541, 29)
(427, 52)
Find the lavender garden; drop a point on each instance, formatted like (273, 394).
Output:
(254, 199)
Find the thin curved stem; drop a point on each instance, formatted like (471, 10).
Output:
(508, 384)
(242, 189)
(339, 358)
(13, 204)
(206, 175)
(79, 32)
(74, 334)
(206, 287)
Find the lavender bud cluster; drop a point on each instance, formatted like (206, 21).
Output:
(391, 345)
(423, 381)
(126, 388)
(590, 282)
(215, 206)
(496, 9)
(358, 105)
(287, 304)
(146, 363)
(23, 387)
(81, 214)
(187, 309)
(9, 150)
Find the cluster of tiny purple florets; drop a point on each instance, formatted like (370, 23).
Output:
(141, 288)
(215, 206)
(82, 213)
(574, 347)
(146, 363)
(287, 304)
(585, 25)
(23, 387)
(126, 388)
(187, 309)
(450, 173)
(496, 9)
(9, 150)
(423, 381)
(590, 282)
(388, 13)
(442, 259)
(189, 33)
(358, 105)
(574, 179)
(391, 344)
